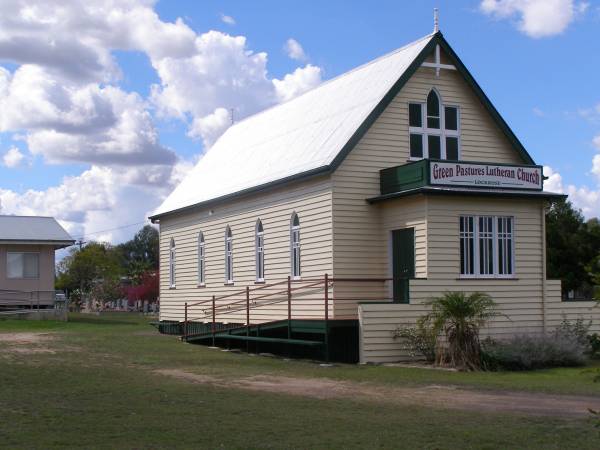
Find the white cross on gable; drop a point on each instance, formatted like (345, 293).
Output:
(437, 65)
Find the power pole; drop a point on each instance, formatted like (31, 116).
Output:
(80, 243)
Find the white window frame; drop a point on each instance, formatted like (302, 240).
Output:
(228, 256)
(295, 248)
(23, 277)
(172, 258)
(494, 255)
(201, 260)
(424, 131)
(260, 252)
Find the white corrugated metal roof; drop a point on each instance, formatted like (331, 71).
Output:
(303, 134)
(32, 228)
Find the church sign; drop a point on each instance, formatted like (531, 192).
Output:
(480, 175)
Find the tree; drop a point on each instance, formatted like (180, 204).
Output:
(568, 246)
(146, 289)
(82, 269)
(460, 317)
(140, 254)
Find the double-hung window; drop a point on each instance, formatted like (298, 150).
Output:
(486, 246)
(22, 265)
(172, 264)
(295, 246)
(201, 260)
(433, 129)
(260, 252)
(228, 256)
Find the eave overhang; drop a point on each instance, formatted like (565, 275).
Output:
(499, 193)
(56, 244)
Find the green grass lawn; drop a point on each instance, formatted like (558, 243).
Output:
(98, 390)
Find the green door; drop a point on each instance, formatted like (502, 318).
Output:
(403, 262)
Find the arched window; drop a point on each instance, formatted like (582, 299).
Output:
(434, 129)
(295, 245)
(260, 251)
(228, 256)
(201, 260)
(172, 263)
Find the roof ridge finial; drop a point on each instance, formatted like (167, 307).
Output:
(436, 20)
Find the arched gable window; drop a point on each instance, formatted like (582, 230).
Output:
(201, 260)
(228, 256)
(295, 245)
(260, 251)
(172, 263)
(434, 129)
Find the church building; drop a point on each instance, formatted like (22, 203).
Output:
(320, 225)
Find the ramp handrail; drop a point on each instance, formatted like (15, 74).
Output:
(262, 299)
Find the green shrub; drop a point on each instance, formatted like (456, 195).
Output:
(419, 340)
(594, 341)
(527, 352)
(459, 317)
(577, 330)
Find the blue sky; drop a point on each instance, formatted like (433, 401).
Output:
(537, 60)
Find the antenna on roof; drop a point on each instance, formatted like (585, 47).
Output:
(231, 115)
(436, 20)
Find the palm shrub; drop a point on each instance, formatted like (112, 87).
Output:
(459, 317)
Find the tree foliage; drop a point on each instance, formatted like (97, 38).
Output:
(572, 247)
(99, 270)
(140, 254)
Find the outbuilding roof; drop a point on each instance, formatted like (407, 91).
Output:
(33, 230)
(310, 134)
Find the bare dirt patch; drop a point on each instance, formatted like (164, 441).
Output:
(26, 338)
(31, 343)
(431, 396)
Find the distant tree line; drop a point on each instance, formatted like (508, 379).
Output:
(102, 272)
(573, 249)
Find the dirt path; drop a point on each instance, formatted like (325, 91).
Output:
(431, 396)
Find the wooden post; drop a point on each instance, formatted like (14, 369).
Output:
(247, 318)
(213, 320)
(326, 318)
(185, 325)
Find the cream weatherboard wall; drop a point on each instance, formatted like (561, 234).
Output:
(310, 199)
(357, 224)
(525, 303)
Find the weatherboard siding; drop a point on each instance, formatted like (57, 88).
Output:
(520, 301)
(357, 225)
(310, 199)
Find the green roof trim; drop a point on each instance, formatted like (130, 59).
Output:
(437, 39)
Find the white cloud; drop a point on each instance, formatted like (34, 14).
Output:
(101, 198)
(221, 75)
(294, 50)
(227, 19)
(62, 98)
(538, 112)
(85, 123)
(536, 18)
(584, 198)
(210, 127)
(301, 80)
(13, 157)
